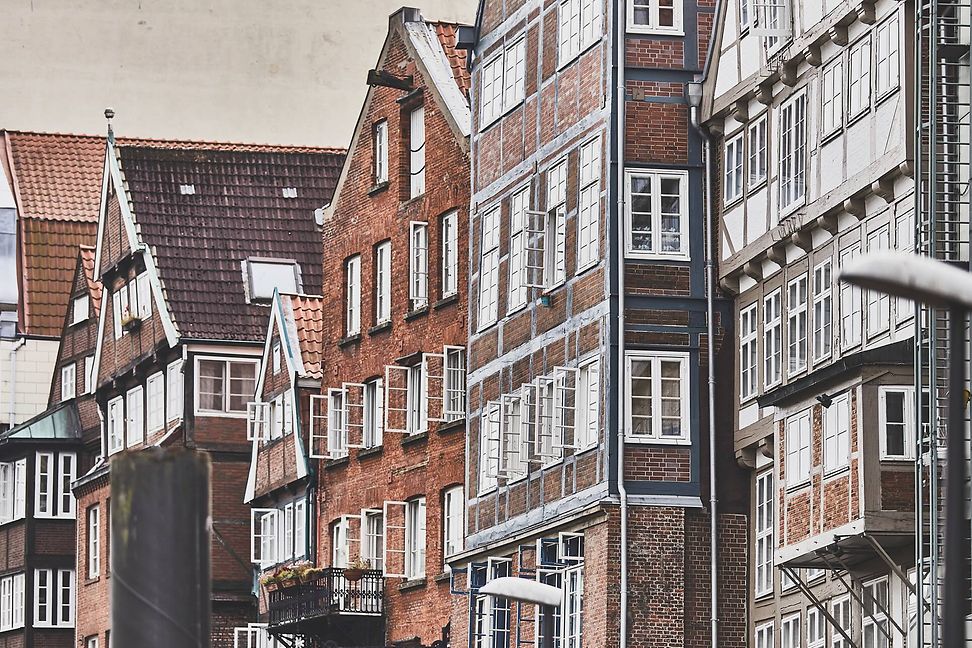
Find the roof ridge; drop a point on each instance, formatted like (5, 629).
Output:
(156, 141)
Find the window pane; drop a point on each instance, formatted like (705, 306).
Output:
(211, 387)
(264, 277)
(242, 385)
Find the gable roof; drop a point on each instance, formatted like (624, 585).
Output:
(448, 35)
(305, 314)
(238, 210)
(86, 253)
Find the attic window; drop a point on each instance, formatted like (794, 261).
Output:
(290, 192)
(187, 189)
(266, 274)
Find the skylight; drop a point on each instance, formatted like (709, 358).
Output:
(266, 274)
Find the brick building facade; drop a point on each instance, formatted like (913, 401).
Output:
(811, 111)
(187, 281)
(587, 453)
(386, 430)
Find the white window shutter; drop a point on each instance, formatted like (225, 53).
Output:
(288, 412)
(354, 414)
(396, 399)
(565, 407)
(434, 374)
(144, 291)
(317, 442)
(352, 535)
(535, 249)
(454, 383)
(257, 419)
(543, 439)
(337, 431)
(257, 536)
(510, 458)
(394, 553)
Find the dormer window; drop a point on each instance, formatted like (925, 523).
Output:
(79, 310)
(266, 274)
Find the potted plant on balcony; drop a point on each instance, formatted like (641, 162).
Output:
(129, 321)
(306, 571)
(269, 580)
(287, 577)
(355, 570)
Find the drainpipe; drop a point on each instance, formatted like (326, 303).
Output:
(622, 493)
(694, 96)
(13, 381)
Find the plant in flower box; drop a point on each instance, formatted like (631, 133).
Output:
(355, 570)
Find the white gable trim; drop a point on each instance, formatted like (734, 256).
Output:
(432, 60)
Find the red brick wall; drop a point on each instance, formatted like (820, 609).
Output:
(362, 219)
(93, 614)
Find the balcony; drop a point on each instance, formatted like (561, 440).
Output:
(331, 606)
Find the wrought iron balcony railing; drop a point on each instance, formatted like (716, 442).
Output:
(328, 594)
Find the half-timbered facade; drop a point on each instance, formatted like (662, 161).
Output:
(811, 106)
(193, 241)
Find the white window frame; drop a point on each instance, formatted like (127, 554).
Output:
(144, 289)
(67, 470)
(840, 609)
(155, 402)
(555, 234)
(264, 523)
(764, 521)
(878, 321)
(503, 82)
(793, 149)
(79, 309)
(454, 383)
(656, 216)
(12, 602)
(134, 416)
(374, 414)
(89, 377)
(94, 541)
(790, 636)
(588, 405)
(578, 27)
(832, 98)
(45, 485)
(449, 241)
(380, 152)
(748, 351)
(416, 152)
(589, 205)
(228, 394)
(816, 628)
(859, 78)
(13, 490)
(797, 320)
(908, 414)
(69, 381)
(519, 244)
(275, 357)
(300, 527)
(352, 296)
(416, 520)
(758, 156)
(489, 259)
(851, 305)
(453, 521)
(887, 37)
(773, 338)
(418, 265)
(836, 434)
(383, 281)
(654, 26)
(877, 618)
(489, 438)
(823, 311)
(174, 391)
(656, 358)
(764, 635)
(373, 537)
(59, 598)
(799, 447)
(734, 162)
(115, 425)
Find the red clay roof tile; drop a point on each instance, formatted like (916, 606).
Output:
(308, 314)
(448, 36)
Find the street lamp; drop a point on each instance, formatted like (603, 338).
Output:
(529, 591)
(938, 284)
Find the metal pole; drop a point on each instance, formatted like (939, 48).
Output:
(956, 590)
(160, 548)
(547, 625)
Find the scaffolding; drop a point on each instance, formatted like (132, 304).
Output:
(944, 143)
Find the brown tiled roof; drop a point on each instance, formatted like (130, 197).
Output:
(50, 257)
(237, 211)
(448, 36)
(87, 254)
(308, 314)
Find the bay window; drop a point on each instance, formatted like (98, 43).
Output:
(658, 396)
(655, 16)
(656, 214)
(793, 151)
(896, 413)
(224, 386)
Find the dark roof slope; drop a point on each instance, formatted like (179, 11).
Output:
(238, 211)
(87, 254)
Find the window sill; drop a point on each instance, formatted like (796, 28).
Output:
(836, 472)
(349, 340)
(446, 301)
(587, 266)
(826, 138)
(92, 581)
(412, 584)
(381, 327)
(411, 199)
(18, 519)
(885, 459)
(331, 464)
(418, 437)
(858, 116)
(379, 187)
(803, 483)
(653, 31)
(887, 94)
(580, 52)
(634, 255)
(449, 427)
(444, 577)
(417, 313)
(756, 186)
(368, 453)
(634, 440)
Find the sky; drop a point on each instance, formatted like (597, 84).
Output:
(267, 71)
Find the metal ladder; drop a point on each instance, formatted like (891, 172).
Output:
(943, 102)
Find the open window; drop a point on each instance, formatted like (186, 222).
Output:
(771, 20)
(263, 536)
(455, 383)
(352, 537)
(565, 408)
(395, 551)
(514, 452)
(354, 415)
(396, 399)
(434, 375)
(318, 427)
(257, 421)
